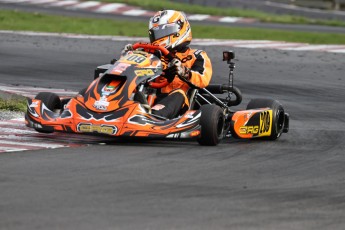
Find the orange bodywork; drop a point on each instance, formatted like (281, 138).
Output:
(252, 123)
(130, 120)
(107, 106)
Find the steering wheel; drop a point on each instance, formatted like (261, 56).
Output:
(151, 49)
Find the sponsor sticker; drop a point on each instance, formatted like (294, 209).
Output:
(102, 104)
(119, 68)
(263, 128)
(103, 129)
(265, 123)
(144, 73)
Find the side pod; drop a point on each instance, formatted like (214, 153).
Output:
(264, 123)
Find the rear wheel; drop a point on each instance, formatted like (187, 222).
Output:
(278, 115)
(212, 125)
(52, 102)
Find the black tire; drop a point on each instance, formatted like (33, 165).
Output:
(212, 125)
(278, 118)
(52, 102)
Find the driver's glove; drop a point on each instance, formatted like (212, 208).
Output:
(175, 67)
(128, 47)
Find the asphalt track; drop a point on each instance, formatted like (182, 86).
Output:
(296, 182)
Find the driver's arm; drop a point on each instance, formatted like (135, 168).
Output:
(201, 70)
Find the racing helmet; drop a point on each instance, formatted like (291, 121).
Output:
(171, 29)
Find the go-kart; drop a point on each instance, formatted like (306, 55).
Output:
(118, 103)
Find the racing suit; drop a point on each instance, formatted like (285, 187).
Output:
(172, 99)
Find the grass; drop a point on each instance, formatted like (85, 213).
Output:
(232, 12)
(15, 20)
(13, 104)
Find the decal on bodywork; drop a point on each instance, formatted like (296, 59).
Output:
(193, 133)
(102, 129)
(101, 104)
(31, 105)
(119, 68)
(144, 120)
(111, 116)
(192, 119)
(144, 72)
(253, 123)
(265, 123)
(47, 114)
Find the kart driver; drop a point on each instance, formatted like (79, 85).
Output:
(172, 30)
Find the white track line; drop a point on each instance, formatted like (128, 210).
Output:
(32, 91)
(43, 1)
(44, 145)
(110, 7)
(15, 1)
(17, 121)
(231, 42)
(16, 131)
(230, 19)
(20, 147)
(338, 51)
(64, 3)
(85, 5)
(268, 45)
(16, 126)
(134, 12)
(7, 123)
(198, 17)
(11, 149)
(316, 47)
(15, 136)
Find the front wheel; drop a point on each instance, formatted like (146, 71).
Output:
(278, 115)
(212, 125)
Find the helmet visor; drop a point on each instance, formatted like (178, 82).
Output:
(162, 31)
